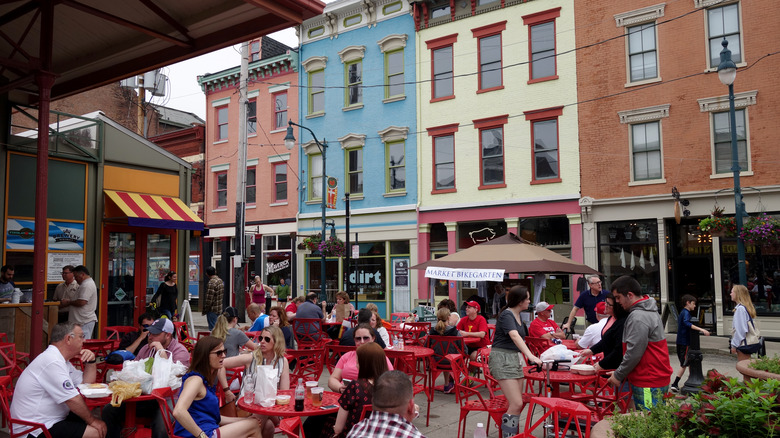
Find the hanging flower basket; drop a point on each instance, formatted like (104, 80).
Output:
(332, 247)
(719, 226)
(761, 230)
(310, 243)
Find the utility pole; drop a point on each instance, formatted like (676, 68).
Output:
(238, 279)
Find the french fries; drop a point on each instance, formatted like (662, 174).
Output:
(123, 391)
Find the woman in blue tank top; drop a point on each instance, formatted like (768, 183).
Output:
(197, 410)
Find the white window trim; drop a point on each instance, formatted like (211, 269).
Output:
(719, 3)
(643, 115)
(393, 133)
(644, 182)
(278, 88)
(220, 167)
(352, 53)
(220, 102)
(748, 155)
(252, 163)
(314, 63)
(630, 83)
(253, 94)
(392, 42)
(281, 158)
(638, 16)
(721, 103)
(352, 141)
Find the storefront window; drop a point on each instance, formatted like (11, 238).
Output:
(158, 256)
(368, 278)
(331, 278)
(277, 262)
(472, 233)
(763, 272)
(547, 231)
(631, 248)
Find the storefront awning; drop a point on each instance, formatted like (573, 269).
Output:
(155, 211)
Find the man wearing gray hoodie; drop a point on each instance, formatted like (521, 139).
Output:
(645, 364)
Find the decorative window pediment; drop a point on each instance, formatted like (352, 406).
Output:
(352, 53)
(310, 147)
(721, 103)
(314, 63)
(647, 114)
(392, 42)
(707, 3)
(393, 133)
(641, 15)
(351, 140)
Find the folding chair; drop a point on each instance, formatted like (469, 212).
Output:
(17, 428)
(494, 406)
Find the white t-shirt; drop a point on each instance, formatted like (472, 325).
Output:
(43, 388)
(86, 313)
(592, 334)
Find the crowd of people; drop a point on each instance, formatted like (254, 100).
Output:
(623, 326)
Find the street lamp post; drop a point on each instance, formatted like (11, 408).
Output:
(289, 143)
(727, 72)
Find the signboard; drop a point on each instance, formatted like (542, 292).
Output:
(55, 262)
(66, 236)
(333, 190)
(19, 234)
(355, 251)
(465, 274)
(401, 272)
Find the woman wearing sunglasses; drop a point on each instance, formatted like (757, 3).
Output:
(197, 410)
(347, 366)
(271, 352)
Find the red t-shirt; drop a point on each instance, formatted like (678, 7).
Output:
(291, 308)
(477, 325)
(538, 328)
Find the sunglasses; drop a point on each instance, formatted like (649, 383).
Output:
(363, 338)
(267, 338)
(220, 352)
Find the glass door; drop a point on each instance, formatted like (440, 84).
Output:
(122, 299)
(158, 262)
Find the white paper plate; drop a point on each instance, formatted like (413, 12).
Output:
(89, 392)
(583, 369)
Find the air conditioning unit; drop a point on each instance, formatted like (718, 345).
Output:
(131, 82)
(154, 81)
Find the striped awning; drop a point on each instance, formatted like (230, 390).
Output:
(155, 211)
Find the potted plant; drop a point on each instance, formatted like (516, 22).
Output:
(332, 247)
(311, 243)
(762, 368)
(718, 225)
(724, 407)
(761, 230)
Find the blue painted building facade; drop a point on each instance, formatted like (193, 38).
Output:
(358, 96)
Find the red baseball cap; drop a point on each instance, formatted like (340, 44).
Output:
(601, 308)
(473, 304)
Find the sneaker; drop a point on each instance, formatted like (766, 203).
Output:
(449, 387)
(675, 389)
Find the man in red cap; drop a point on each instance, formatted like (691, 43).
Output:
(592, 334)
(473, 325)
(543, 326)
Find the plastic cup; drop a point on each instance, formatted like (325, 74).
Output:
(249, 397)
(316, 396)
(309, 385)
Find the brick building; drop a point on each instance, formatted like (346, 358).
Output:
(653, 116)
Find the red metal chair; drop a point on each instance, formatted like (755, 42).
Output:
(367, 410)
(164, 397)
(183, 335)
(202, 334)
(308, 333)
(291, 426)
(10, 358)
(575, 417)
(442, 346)
(398, 316)
(406, 362)
(17, 428)
(491, 332)
(602, 398)
(537, 345)
(414, 333)
(308, 364)
(118, 331)
(102, 348)
(334, 353)
(495, 406)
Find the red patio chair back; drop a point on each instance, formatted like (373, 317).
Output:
(164, 397)
(118, 331)
(406, 362)
(9, 357)
(574, 416)
(537, 345)
(335, 352)
(17, 428)
(414, 333)
(308, 364)
(398, 316)
(308, 332)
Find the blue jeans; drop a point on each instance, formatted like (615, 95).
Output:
(211, 318)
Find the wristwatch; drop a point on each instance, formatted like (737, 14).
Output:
(202, 434)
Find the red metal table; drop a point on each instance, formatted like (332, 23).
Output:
(130, 417)
(558, 377)
(328, 399)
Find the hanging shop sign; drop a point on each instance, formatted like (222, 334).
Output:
(333, 191)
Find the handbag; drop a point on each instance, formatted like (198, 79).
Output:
(752, 342)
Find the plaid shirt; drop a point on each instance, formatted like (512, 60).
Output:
(213, 301)
(385, 425)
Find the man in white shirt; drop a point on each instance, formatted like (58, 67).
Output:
(82, 309)
(46, 391)
(592, 334)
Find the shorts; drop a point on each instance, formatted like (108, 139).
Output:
(506, 364)
(470, 350)
(71, 427)
(646, 398)
(682, 355)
